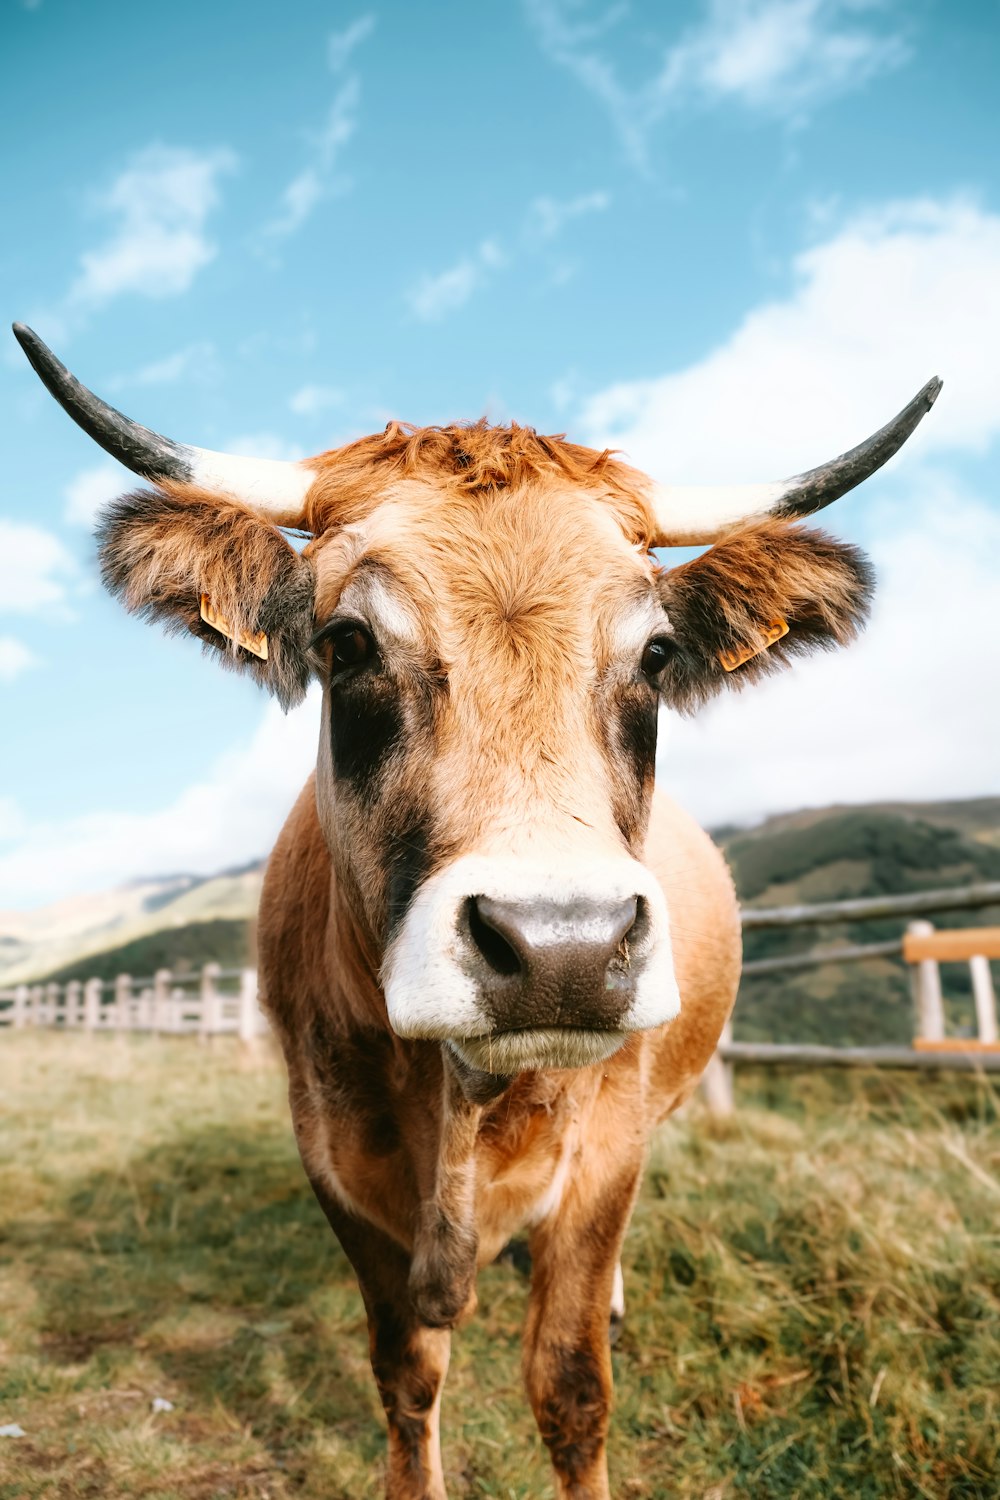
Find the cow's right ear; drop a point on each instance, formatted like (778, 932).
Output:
(194, 561)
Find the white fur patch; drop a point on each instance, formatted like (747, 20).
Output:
(431, 994)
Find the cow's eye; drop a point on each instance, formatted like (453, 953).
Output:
(351, 646)
(655, 656)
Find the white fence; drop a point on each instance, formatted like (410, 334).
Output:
(214, 1002)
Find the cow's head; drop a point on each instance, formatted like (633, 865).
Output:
(493, 638)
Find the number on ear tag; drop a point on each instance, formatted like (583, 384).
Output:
(771, 632)
(255, 644)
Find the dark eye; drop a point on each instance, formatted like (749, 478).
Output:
(351, 646)
(656, 655)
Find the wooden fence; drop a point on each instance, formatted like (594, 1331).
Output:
(922, 949)
(212, 1002)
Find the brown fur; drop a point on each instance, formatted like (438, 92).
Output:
(722, 600)
(162, 549)
(511, 709)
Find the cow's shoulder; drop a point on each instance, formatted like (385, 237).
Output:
(707, 949)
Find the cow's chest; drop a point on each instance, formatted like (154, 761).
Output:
(371, 1130)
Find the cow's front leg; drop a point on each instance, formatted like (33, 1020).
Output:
(567, 1356)
(409, 1359)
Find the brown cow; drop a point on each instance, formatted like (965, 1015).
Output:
(493, 957)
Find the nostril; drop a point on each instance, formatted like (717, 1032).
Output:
(494, 947)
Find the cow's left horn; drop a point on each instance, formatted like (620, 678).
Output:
(693, 515)
(274, 488)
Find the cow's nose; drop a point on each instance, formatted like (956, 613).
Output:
(543, 963)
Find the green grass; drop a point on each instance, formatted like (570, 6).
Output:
(814, 1296)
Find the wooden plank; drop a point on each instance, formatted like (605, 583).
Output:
(771, 1053)
(964, 898)
(954, 1044)
(954, 946)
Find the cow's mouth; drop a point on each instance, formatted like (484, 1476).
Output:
(508, 1052)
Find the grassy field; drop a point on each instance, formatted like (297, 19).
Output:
(814, 1296)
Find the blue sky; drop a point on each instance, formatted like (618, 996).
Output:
(731, 237)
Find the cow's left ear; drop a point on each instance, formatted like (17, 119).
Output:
(193, 561)
(749, 604)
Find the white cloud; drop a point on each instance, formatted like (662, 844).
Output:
(547, 217)
(433, 297)
(192, 360)
(315, 180)
(781, 57)
(310, 400)
(160, 205)
(906, 713)
(15, 658)
(90, 490)
(342, 43)
(36, 570)
(228, 818)
(899, 294)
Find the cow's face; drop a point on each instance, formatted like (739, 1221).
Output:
(492, 658)
(492, 665)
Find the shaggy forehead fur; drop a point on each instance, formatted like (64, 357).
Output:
(471, 459)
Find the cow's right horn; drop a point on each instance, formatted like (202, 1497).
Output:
(277, 489)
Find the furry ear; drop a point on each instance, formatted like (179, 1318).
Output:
(724, 603)
(162, 551)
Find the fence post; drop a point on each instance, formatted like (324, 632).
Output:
(986, 1000)
(928, 1004)
(209, 1000)
(160, 1018)
(248, 1006)
(20, 1015)
(53, 994)
(123, 1002)
(717, 1080)
(92, 1004)
(74, 990)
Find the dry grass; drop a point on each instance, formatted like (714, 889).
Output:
(814, 1297)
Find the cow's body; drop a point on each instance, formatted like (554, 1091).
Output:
(559, 1153)
(494, 959)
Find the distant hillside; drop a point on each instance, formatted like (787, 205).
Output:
(78, 936)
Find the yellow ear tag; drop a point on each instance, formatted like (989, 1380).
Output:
(255, 644)
(772, 632)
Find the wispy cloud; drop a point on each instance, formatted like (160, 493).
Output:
(194, 360)
(15, 658)
(92, 488)
(159, 207)
(434, 296)
(36, 570)
(779, 57)
(315, 179)
(310, 400)
(341, 44)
